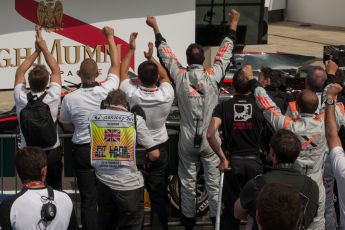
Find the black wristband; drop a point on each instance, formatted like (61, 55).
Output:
(330, 79)
(253, 84)
(232, 35)
(159, 39)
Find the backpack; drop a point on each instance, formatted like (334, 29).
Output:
(304, 220)
(36, 123)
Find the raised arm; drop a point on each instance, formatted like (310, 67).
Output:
(332, 137)
(270, 110)
(114, 53)
(211, 137)
(23, 68)
(53, 65)
(224, 53)
(127, 60)
(165, 53)
(163, 75)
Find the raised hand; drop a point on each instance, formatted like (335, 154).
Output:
(40, 44)
(108, 31)
(234, 19)
(132, 44)
(151, 21)
(334, 89)
(331, 67)
(148, 54)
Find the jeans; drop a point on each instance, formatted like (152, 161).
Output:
(54, 168)
(86, 180)
(156, 183)
(122, 210)
(242, 171)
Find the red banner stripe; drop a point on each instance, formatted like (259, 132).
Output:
(74, 29)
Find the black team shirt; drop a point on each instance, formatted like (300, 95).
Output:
(242, 125)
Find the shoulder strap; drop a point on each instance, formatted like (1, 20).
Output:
(30, 97)
(260, 181)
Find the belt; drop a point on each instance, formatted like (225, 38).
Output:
(244, 157)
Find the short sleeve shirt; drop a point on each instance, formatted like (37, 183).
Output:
(156, 103)
(52, 99)
(242, 125)
(78, 106)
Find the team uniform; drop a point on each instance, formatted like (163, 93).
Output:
(23, 211)
(54, 153)
(242, 133)
(115, 133)
(77, 108)
(310, 131)
(328, 177)
(156, 103)
(197, 95)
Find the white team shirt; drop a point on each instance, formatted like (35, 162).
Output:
(337, 156)
(156, 103)
(23, 212)
(78, 106)
(52, 99)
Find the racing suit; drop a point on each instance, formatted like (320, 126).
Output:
(328, 177)
(309, 129)
(197, 95)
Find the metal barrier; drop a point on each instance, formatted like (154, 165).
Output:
(10, 184)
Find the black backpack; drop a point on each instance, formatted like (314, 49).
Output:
(36, 123)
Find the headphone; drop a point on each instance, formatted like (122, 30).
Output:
(48, 210)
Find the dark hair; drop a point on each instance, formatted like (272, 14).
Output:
(29, 163)
(195, 54)
(38, 78)
(88, 69)
(307, 101)
(277, 78)
(240, 82)
(148, 73)
(279, 207)
(117, 97)
(315, 79)
(286, 146)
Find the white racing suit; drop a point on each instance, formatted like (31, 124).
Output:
(311, 132)
(328, 176)
(197, 95)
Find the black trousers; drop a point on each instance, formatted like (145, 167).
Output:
(242, 171)
(86, 180)
(156, 182)
(54, 168)
(122, 210)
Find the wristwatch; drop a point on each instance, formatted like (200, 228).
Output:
(329, 101)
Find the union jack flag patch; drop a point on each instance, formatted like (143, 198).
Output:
(112, 135)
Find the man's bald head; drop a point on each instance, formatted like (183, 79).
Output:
(315, 79)
(88, 70)
(307, 101)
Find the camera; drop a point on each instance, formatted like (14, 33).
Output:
(336, 54)
(197, 141)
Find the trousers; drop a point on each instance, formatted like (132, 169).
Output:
(156, 182)
(86, 180)
(242, 171)
(122, 210)
(54, 168)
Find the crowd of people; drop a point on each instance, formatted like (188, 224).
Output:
(279, 154)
